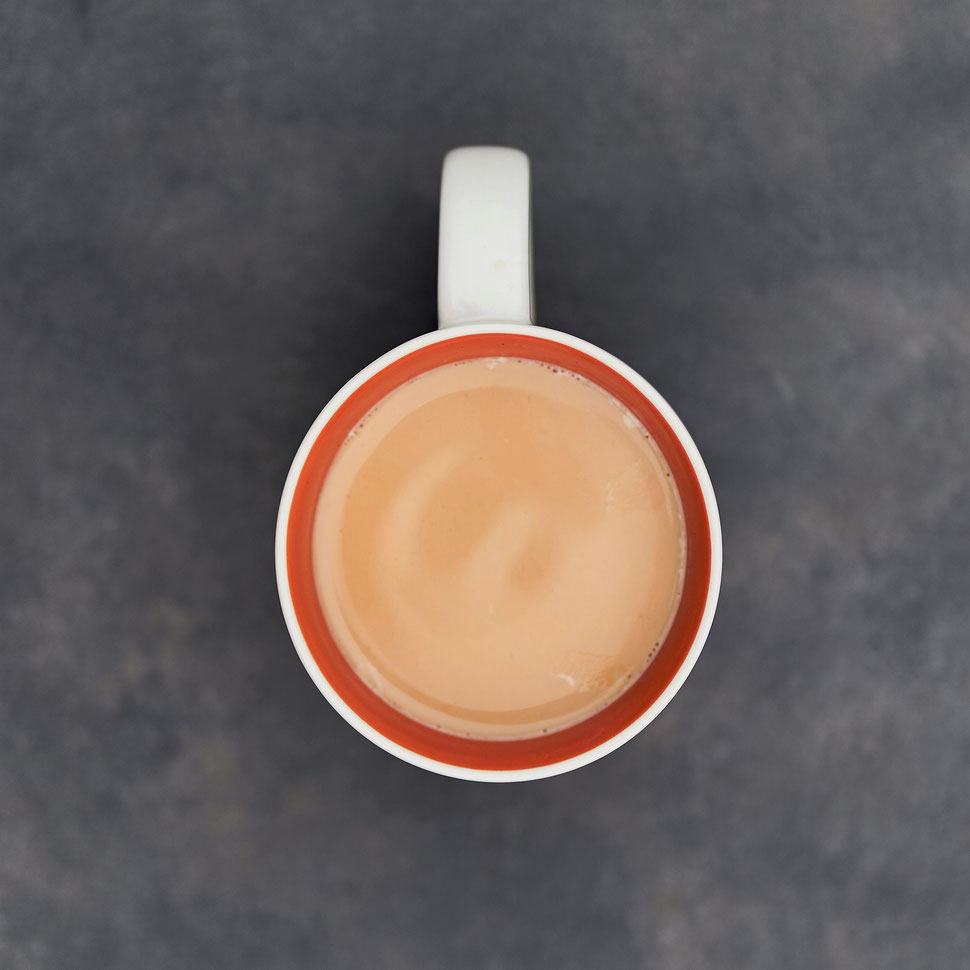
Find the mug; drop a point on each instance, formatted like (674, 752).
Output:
(485, 309)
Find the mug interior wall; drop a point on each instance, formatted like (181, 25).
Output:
(498, 755)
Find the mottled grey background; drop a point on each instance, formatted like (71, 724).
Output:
(212, 213)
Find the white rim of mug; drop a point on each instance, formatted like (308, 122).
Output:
(296, 634)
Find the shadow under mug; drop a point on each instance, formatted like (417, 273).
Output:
(485, 310)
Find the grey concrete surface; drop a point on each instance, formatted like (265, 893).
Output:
(212, 213)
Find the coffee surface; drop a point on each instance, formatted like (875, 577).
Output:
(498, 548)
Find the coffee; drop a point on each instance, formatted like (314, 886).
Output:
(498, 548)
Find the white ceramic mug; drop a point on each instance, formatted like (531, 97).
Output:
(485, 309)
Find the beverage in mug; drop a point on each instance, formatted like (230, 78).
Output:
(498, 548)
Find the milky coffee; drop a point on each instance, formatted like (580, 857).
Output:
(499, 548)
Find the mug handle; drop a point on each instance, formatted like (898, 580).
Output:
(485, 237)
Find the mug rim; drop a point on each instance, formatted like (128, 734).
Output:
(597, 749)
